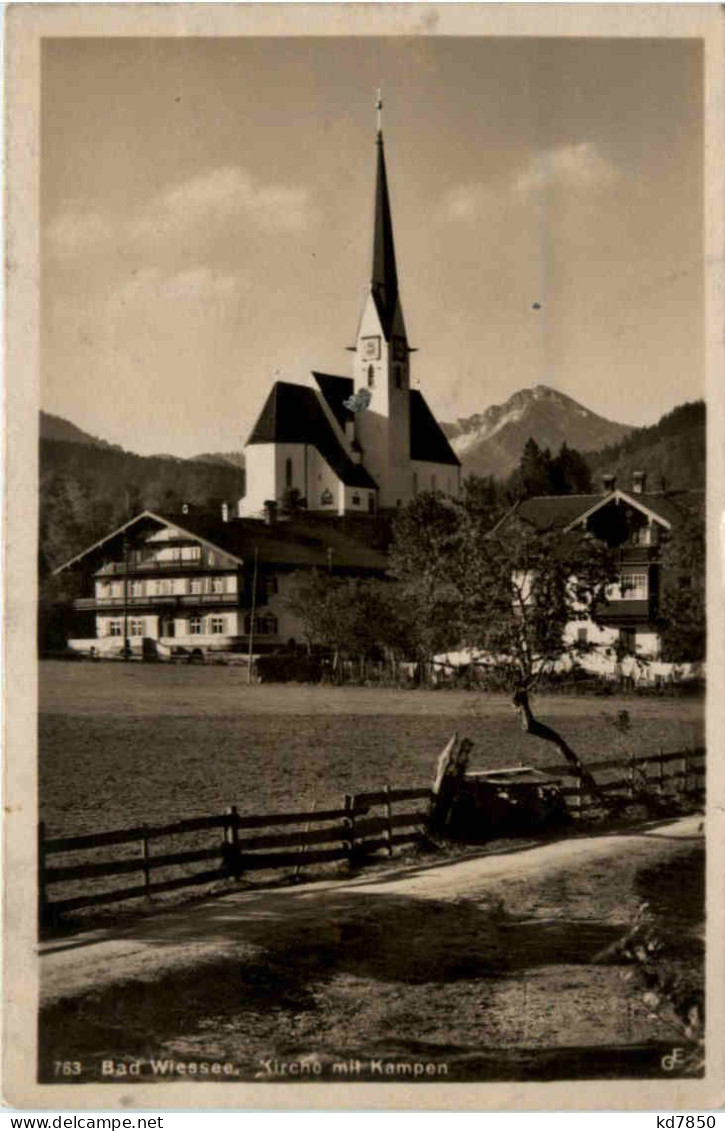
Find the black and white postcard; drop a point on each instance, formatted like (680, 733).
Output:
(364, 486)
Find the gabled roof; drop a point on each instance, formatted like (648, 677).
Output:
(150, 518)
(562, 512)
(336, 390)
(428, 441)
(288, 543)
(292, 414)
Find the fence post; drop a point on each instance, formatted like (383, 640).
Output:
(389, 820)
(146, 860)
(231, 842)
(348, 822)
(662, 772)
(43, 909)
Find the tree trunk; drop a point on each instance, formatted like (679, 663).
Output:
(540, 730)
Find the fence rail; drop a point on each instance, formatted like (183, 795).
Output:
(349, 832)
(250, 843)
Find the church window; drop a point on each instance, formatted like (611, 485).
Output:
(288, 473)
(326, 498)
(371, 376)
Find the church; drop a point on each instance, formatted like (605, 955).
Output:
(321, 452)
(357, 444)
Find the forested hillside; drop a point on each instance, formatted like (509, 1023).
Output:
(87, 490)
(671, 452)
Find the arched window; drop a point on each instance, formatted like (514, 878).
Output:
(288, 473)
(371, 376)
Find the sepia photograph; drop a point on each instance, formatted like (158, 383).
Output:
(367, 485)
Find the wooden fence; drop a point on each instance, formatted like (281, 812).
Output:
(228, 845)
(233, 845)
(675, 775)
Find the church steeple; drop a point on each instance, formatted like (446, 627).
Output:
(384, 280)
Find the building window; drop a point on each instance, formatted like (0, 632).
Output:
(115, 628)
(164, 588)
(217, 585)
(356, 500)
(217, 626)
(633, 586)
(288, 473)
(191, 553)
(371, 376)
(195, 585)
(194, 626)
(326, 499)
(137, 588)
(116, 588)
(136, 628)
(581, 636)
(272, 584)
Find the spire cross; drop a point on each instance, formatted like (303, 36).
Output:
(379, 108)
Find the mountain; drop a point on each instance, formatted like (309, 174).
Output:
(58, 428)
(672, 453)
(89, 487)
(491, 442)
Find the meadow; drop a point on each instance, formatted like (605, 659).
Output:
(121, 744)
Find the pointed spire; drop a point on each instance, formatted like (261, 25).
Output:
(384, 281)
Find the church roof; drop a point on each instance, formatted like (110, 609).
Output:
(384, 278)
(292, 414)
(336, 390)
(428, 441)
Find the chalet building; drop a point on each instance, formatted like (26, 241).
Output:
(361, 443)
(197, 584)
(633, 522)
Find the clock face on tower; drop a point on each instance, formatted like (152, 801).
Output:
(400, 350)
(370, 348)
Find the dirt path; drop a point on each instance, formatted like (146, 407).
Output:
(559, 881)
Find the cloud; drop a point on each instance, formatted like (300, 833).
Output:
(576, 166)
(199, 208)
(222, 195)
(464, 202)
(149, 286)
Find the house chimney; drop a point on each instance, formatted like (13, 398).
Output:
(609, 483)
(639, 482)
(270, 512)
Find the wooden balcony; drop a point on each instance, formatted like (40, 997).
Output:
(162, 601)
(154, 565)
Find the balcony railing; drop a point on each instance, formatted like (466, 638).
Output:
(166, 600)
(152, 565)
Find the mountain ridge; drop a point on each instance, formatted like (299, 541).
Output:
(491, 442)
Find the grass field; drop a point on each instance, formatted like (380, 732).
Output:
(125, 743)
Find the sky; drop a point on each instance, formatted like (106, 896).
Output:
(207, 207)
